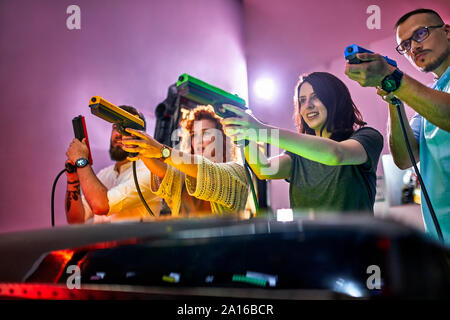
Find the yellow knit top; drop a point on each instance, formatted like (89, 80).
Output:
(224, 185)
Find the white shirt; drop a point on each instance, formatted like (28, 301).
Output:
(124, 201)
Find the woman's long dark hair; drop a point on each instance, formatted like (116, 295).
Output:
(343, 118)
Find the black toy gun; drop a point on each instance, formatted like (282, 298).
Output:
(80, 132)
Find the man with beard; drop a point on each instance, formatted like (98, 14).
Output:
(424, 39)
(111, 194)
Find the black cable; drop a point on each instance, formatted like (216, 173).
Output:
(121, 129)
(139, 190)
(398, 103)
(53, 196)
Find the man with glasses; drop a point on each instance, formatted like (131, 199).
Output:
(424, 39)
(111, 194)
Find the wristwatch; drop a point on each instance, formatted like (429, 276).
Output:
(392, 81)
(81, 163)
(165, 153)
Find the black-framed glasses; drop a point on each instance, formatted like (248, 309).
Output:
(418, 36)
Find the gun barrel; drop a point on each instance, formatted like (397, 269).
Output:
(113, 114)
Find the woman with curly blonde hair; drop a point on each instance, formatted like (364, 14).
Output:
(201, 178)
(193, 119)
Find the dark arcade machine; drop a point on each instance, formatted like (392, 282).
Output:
(337, 257)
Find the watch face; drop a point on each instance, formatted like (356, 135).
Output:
(390, 84)
(80, 163)
(165, 152)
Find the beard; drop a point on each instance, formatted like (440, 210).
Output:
(117, 153)
(436, 63)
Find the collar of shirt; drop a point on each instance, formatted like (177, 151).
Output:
(443, 80)
(123, 168)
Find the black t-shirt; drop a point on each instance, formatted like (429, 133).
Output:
(337, 188)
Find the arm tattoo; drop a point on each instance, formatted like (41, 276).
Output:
(72, 195)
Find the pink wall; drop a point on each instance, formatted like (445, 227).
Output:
(126, 51)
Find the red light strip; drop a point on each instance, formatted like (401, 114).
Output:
(40, 291)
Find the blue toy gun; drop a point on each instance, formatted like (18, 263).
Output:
(350, 55)
(352, 50)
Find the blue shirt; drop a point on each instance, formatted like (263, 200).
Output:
(434, 150)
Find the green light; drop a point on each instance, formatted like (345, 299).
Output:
(255, 281)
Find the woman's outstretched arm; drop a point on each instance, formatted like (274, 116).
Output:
(319, 149)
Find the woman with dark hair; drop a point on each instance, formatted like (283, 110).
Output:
(200, 178)
(331, 162)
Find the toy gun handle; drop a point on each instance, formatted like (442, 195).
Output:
(80, 132)
(122, 131)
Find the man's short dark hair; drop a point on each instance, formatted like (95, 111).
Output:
(134, 111)
(417, 11)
